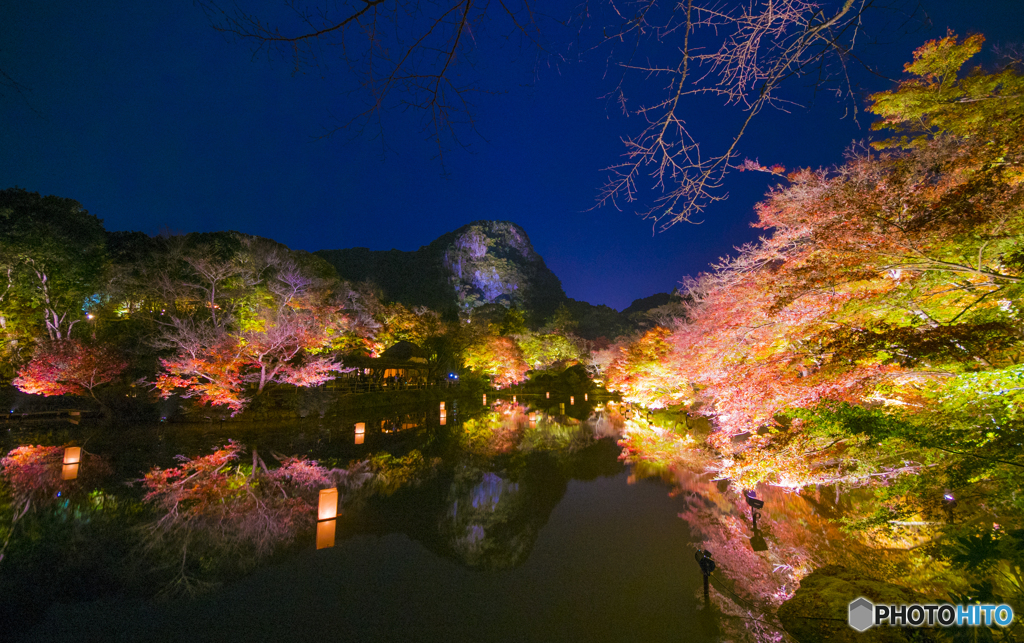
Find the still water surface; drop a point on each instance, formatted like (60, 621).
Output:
(503, 541)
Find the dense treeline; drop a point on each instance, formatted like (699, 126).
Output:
(874, 338)
(219, 317)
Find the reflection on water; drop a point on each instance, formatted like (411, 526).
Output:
(477, 490)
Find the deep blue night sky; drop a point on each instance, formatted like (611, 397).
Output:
(150, 118)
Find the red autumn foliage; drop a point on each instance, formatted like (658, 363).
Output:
(69, 367)
(500, 358)
(210, 371)
(257, 510)
(33, 471)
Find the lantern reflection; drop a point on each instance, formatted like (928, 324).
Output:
(533, 420)
(514, 399)
(325, 533)
(360, 432)
(485, 398)
(444, 418)
(442, 407)
(72, 458)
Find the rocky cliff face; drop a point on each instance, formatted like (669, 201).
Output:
(485, 262)
(493, 262)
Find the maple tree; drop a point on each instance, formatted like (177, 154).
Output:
(499, 358)
(872, 341)
(69, 367)
(283, 330)
(643, 373)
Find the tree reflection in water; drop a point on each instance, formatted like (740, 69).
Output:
(478, 492)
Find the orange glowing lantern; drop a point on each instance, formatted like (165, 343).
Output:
(328, 509)
(485, 398)
(572, 400)
(514, 399)
(586, 397)
(72, 458)
(444, 418)
(325, 533)
(547, 395)
(360, 432)
(442, 407)
(533, 420)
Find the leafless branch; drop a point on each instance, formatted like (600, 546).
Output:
(741, 53)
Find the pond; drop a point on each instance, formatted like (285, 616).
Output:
(508, 522)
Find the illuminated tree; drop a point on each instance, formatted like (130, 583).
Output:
(642, 372)
(69, 367)
(282, 330)
(53, 259)
(542, 351)
(208, 367)
(499, 358)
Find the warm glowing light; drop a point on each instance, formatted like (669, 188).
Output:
(72, 455)
(442, 406)
(572, 400)
(328, 508)
(514, 399)
(586, 397)
(444, 418)
(548, 395)
(485, 398)
(360, 432)
(69, 472)
(325, 533)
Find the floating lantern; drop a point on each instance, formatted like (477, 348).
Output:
(325, 533)
(572, 400)
(444, 418)
(72, 458)
(360, 432)
(547, 395)
(328, 509)
(485, 398)
(514, 399)
(586, 397)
